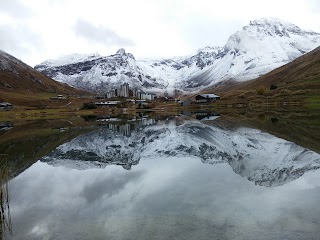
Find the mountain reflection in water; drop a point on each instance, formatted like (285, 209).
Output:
(258, 156)
(176, 180)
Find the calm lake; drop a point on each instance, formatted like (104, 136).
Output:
(191, 176)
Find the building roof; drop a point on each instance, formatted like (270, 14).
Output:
(107, 103)
(209, 95)
(5, 104)
(210, 118)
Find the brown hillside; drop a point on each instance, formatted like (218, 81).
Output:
(304, 68)
(299, 78)
(20, 82)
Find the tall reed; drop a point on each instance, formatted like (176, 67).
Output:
(5, 218)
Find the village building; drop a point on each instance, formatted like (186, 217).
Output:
(5, 106)
(144, 96)
(140, 94)
(124, 90)
(107, 104)
(111, 94)
(150, 96)
(185, 103)
(207, 98)
(207, 116)
(6, 125)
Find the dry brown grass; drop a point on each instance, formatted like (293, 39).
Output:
(25, 87)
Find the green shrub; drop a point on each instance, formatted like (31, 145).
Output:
(89, 106)
(272, 87)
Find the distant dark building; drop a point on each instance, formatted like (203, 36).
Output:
(107, 104)
(185, 103)
(206, 116)
(124, 90)
(6, 125)
(143, 105)
(5, 106)
(207, 98)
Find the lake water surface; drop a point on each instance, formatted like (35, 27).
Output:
(169, 178)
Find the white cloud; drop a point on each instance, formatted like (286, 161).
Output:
(15, 9)
(100, 35)
(19, 40)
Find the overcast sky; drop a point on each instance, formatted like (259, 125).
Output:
(37, 30)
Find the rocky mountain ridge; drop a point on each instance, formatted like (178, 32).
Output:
(258, 48)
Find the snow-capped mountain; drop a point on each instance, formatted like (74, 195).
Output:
(258, 48)
(258, 156)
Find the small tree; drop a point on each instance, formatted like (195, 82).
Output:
(89, 105)
(272, 87)
(261, 90)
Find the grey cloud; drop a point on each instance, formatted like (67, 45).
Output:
(108, 186)
(18, 40)
(201, 31)
(30, 208)
(15, 9)
(101, 35)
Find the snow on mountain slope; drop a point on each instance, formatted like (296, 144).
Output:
(71, 59)
(101, 73)
(258, 48)
(11, 64)
(258, 156)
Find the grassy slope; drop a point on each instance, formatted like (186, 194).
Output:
(22, 85)
(295, 81)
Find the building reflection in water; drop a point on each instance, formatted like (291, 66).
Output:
(202, 115)
(126, 128)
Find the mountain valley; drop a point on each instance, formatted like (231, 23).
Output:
(260, 47)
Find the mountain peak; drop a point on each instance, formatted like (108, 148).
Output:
(209, 49)
(270, 21)
(274, 27)
(121, 51)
